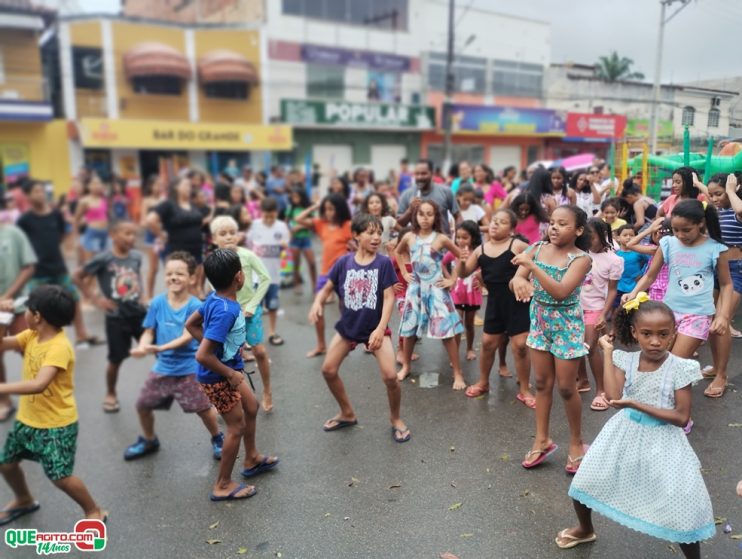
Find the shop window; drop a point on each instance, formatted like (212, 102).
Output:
(157, 85)
(470, 73)
(380, 14)
(517, 79)
(714, 115)
(461, 152)
(227, 90)
(384, 86)
(87, 64)
(689, 115)
(325, 82)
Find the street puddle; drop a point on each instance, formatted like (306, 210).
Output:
(429, 380)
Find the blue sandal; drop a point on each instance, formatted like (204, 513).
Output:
(260, 468)
(16, 513)
(233, 494)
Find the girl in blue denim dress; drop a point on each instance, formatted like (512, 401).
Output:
(641, 471)
(556, 338)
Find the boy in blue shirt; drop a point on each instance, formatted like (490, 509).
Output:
(173, 376)
(219, 326)
(633, 262)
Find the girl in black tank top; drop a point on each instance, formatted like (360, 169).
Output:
(504, 317)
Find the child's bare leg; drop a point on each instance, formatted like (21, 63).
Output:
(81, 333)
(469, 325)
(250, 412)
(407, 348)
(490, 343)
(75, 488)
(15, 479)
(209, 420)
(264, 367)
(309, 255)
(566, 372)
(272, 319)
(585, 527)
(685, 346)
(503, 351)
(337, 352)
(112, 375)
(152, 271)
(522, 364)
(453, 356)
(235, 422)
(543, 366)
(147, 422)
(721, 347)
(296, 256)
(385, 358)
(321, 348)
(691, 550)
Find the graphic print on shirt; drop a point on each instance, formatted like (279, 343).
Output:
(692, 284)
(124, 283)
(359, 289)
(235, 339)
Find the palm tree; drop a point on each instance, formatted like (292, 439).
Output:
(613, 68)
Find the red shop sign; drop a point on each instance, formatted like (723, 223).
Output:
(583, 125)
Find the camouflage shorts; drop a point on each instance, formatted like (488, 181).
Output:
(53, 448)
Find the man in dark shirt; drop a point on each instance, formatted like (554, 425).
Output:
(45, 228)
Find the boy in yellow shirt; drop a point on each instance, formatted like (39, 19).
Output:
(45, 428)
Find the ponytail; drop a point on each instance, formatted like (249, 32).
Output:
(700, 212)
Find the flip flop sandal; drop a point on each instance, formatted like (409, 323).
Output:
(599, 404)
(475, 391)
(17, 512)
(340, 424)
(715, 392)
(528, 402)
(233, 494)
(275, 339)
(544, 453)
(399, 437)
(573, 541)
(111, 407)
(586, 389)
(260, 468)
(705, 372)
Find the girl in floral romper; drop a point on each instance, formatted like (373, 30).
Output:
(428, 309)
(556, 339)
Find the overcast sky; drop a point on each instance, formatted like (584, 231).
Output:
(699, 42)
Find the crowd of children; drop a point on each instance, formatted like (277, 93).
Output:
(562, 266)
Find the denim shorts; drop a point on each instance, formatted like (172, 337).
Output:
(301, 243)
(271, 302)
(735, 270)
(94, 240)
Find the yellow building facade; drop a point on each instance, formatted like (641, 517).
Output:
(148, 97)
(32, 143)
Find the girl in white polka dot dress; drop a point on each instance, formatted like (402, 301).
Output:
(641, 471)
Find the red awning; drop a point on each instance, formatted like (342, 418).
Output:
(155, 59)
(226, 66)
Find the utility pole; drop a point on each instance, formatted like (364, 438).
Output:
(654, 118)
(449, 90)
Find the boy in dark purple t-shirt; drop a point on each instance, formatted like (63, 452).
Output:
(364, 283)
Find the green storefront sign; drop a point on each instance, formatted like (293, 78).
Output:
(639, 128)
(341, 113)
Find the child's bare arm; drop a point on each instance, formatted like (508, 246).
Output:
(145, 344)
(35, 386)
(18, 283)
(559, 290)
(469, 261)
(678, 416)
(315, 312)
(184, 339)
(377, 336)
(647, 279)
(195, 326)
(614, 377)
(207, 358)
(448, 244)
(10, 343)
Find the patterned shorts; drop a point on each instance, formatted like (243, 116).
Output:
(560, 330)
(159, 391)
(693, 325)
(53, 448)
(222, 396)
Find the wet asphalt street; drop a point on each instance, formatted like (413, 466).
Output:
(456, 487)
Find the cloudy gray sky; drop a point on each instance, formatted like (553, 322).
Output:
(699, 41)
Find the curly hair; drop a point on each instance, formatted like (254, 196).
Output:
(624, 320)
(437, 222)
(382, 199)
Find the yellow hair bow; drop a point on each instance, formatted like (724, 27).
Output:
(634, 303)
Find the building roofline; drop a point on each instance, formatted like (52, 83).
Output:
(725, 92)
(497, 13)
(152, 21)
